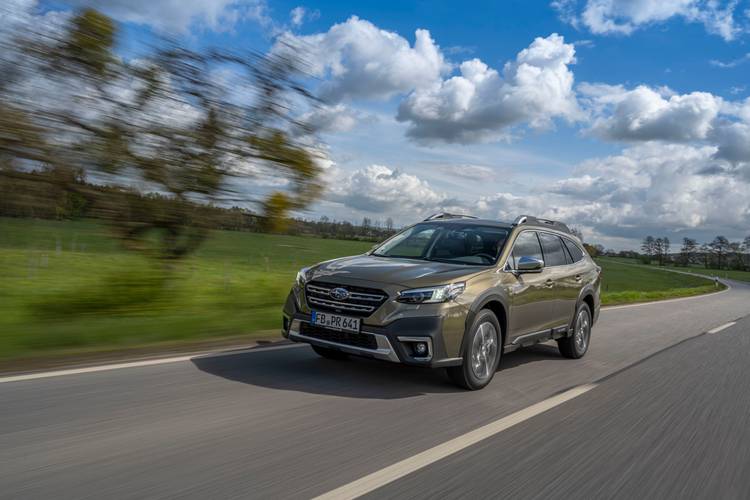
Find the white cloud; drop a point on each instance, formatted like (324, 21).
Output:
(730, 64)
(466, 172)
(298, 15)
(733, 141)
(479, 104)
(648, 187)
(180, 15)
(623, 17)
(334, 118)
(645, 114)
(359, 60)
(382, 190)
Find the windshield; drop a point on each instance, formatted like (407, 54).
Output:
(454, 243)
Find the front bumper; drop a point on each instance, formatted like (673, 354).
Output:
(392, 341)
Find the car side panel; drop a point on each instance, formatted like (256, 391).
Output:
(571, 282)
(534, 303)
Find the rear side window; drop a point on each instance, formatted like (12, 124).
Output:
(527, 245)
(575, 250)
(554, 253)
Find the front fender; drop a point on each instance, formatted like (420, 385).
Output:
(479, 303)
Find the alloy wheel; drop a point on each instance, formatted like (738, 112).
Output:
(484, 351)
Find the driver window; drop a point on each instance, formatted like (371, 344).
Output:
(527, 245)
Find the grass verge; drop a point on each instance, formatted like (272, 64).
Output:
(627, 283)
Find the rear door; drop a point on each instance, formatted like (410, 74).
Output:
(532, 309)
(575, 277)
(561, 273)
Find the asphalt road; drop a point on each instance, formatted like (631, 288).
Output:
(669, 417)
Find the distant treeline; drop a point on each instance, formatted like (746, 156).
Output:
(38, 194)
(720, 253)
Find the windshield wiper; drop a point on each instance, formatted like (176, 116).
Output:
(398, 256)
(449, 261)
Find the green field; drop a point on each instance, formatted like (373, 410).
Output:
(66, 287)
(696, 269)
(624, 282)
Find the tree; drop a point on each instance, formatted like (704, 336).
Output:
(366, 224)
(658, 250)
(687, 252)
(665, 244)
(706, 253)
(389, 225)
(648, 247)
(735, 255)
(163, 121)
(577, 233)
(719, 247)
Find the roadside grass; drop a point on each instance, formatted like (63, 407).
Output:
(693, 268)
(626, 282)
(67, 288)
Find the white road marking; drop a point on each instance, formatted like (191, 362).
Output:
(135, 364)
(722, 327)
(400, 469)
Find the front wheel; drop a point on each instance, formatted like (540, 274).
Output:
(576, 345)
(481, 355)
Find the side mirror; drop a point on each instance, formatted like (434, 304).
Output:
(530, 265)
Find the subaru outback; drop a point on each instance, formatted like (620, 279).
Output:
(452, 292)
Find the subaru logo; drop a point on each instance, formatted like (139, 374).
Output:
(339, 293)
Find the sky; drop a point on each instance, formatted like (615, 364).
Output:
(623, 118)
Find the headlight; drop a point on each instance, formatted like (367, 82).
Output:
(302, 277)
(431, 295)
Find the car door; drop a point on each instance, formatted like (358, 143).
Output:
(575, 277)
(563, 274)
(531, 308)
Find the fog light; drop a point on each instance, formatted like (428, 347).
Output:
(420, 349)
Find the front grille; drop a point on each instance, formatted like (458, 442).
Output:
(361, 302)
(363, 340)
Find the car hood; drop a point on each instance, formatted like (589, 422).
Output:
(396, 271)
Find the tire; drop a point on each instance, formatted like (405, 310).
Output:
(575, 346)
(329, 353)
(482, 352)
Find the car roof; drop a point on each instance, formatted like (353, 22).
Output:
(465, 221)
(471, 221)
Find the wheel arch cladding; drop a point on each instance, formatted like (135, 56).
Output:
(498, 309)
(589, 300)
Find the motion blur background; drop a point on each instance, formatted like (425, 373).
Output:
(154, 191)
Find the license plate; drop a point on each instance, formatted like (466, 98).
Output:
(335, 321)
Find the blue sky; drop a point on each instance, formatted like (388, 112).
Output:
(622, 117)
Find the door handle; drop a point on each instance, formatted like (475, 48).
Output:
(549, 283)
(579, 278)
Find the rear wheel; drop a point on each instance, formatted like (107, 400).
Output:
(576, 345)
(329, 353)
(481, 354)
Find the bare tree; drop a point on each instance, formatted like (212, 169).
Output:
(665, 244)
(658, 250)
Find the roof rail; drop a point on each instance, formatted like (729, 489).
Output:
(535, 221)
(446, 215)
